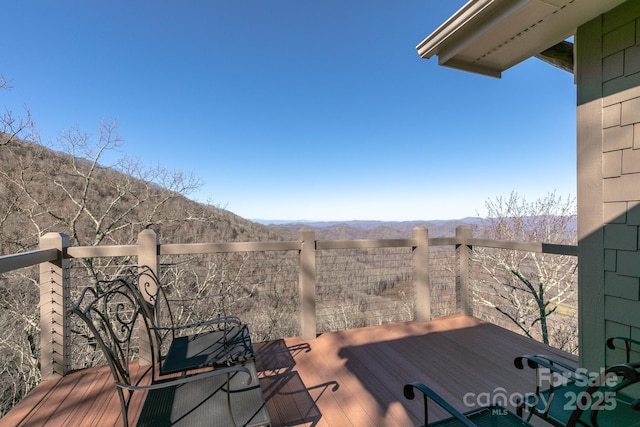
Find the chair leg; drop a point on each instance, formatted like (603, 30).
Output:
(229, 398)
(426, 410)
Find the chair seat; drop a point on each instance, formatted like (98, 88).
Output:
(564, 401)
(492, 416)
(208, 349)
(204, 402)
(622, 415)
(553, 408)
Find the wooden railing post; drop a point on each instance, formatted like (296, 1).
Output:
(55, 353)
(307, 284)
(421, 270)
(148, 256)
(463, 270)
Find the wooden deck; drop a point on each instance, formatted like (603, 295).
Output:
(348, 378)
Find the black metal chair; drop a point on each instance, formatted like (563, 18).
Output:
(220, 341)
(493, 416)
(228, 396)
(566, 396)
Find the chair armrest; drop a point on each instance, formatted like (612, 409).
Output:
(557, 370)
(630, 373)
(558, 367)
(538, 360)
(182, 380)
(627, 345)
(427, 392)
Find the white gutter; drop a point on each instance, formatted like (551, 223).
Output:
(429, 46)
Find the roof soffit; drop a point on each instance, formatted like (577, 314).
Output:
(490, 36)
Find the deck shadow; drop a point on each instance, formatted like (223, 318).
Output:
(288, 399)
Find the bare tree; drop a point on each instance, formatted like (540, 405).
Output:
(79, 190)
(101, 204)
(74, 192)
(12, 127)
(530, 289)
(19, 353)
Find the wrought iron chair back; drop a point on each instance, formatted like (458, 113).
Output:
(111, 316)
(181, 343)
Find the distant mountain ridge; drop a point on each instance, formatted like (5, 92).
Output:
(358, 229)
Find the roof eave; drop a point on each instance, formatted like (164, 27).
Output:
(430, 45)
(490, 36)
(473, 68)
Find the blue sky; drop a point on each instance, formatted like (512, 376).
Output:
(292, 109)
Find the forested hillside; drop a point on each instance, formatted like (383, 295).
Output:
(44, 190)
(70, 191)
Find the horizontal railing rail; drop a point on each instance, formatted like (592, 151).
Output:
(370, 243)
(26, 259)
(55, 253)
(207, 248)
(548, 248)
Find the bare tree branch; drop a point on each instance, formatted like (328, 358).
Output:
(530, 289)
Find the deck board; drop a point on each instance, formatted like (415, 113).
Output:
(352, 377)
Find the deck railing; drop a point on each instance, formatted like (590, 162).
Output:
(55, 255)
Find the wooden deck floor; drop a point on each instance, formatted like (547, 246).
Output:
(349, 378)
